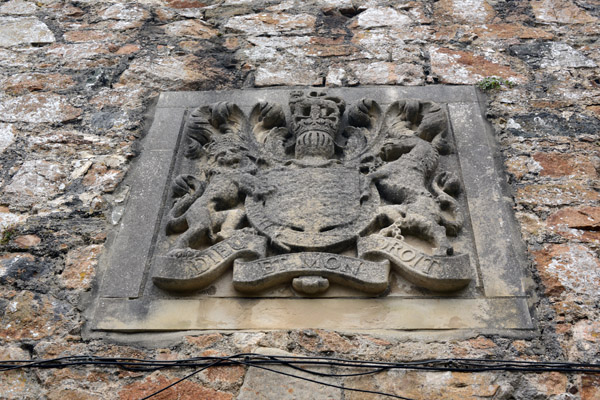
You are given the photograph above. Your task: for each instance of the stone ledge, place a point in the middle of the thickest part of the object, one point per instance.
(495, 314)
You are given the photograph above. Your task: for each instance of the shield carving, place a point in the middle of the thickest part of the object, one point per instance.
(313, 208)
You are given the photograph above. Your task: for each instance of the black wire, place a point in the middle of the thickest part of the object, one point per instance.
(374, 371)
(325, 383)
(462, 365)
(245, 362)
(182, 379)
(294, 362)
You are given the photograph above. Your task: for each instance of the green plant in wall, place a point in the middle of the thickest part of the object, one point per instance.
(7, 235)
(493, 83)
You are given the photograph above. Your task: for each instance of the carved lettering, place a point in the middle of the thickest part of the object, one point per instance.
(407, 255)
(368, 276)
(351, 269)
(332, 263)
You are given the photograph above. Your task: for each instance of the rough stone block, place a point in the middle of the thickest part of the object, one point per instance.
(28, 30)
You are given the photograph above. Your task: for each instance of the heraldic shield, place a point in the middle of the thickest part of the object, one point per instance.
(314, 194)
(314, 208)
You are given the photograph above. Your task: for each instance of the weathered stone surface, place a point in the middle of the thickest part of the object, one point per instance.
(288, 72)
(204, 341)
(29, 316)
(521, 166)
(8, 219)
(337, 76)
(17, 384)
(283, 387)
(546, 123)
(385, 45)
(549, 384)
(272, 24)
(27, 241)
(562, 11)
(380, 16)
(184, 4)
(124, 98)
(569, 269)
(80, 267)
(552, 54)
(128, 16)
(7, 135)
(223, 376)
(79, 55)
(18, 7)
(184, 391)
(36, 180)
(15, 267)
(37, 108)
(128, 49)
(594, 109)
(580, 223)
(54, 141)
(247, 341)
(103, 178)
(565, 165)
(321, 341)
(319, 47)
(10, 58)
(387, 73)
(530, 224)
(89, 35)
(70, 394)
(28, 30)
(590, 387)
(467, 11)
(228, 375)
(510, 31)
(269, 48)
(24, 83)
(173, 73)
(564, 56)
(190, 28)
(586, 334)
(556, 194)
(482, 343)
(461, 67)
(442, 385)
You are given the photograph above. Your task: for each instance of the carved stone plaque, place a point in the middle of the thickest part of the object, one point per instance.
(370, 208)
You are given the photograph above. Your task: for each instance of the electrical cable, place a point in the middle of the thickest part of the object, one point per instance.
(326, 383)
(249, 364)
(300, 363)
(454, 364)
(182, 379)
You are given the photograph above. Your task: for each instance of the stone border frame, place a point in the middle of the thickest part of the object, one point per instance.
(119, 304)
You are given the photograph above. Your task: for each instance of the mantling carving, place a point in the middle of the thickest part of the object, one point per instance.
(326, 195)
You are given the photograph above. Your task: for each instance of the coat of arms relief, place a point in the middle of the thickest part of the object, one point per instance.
(312, 193)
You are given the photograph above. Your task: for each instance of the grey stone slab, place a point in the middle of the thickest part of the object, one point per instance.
(383, 94)
(491, 218)
(337, 314)
(15, 31)
(129, 253)
(164, 133)
(284, 387)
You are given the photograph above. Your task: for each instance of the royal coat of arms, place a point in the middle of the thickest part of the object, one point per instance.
(313, 193)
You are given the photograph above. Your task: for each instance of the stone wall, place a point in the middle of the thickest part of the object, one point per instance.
(77, 79)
